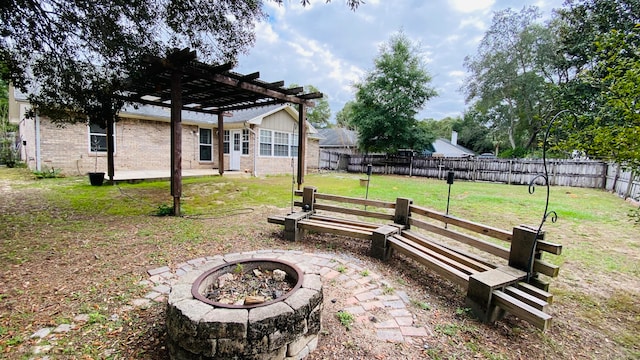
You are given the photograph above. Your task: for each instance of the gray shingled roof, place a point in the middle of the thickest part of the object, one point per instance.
(338, 137)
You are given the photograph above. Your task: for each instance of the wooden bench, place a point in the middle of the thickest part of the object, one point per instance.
(492, 264)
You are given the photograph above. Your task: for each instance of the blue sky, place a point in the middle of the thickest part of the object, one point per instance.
(331, 47)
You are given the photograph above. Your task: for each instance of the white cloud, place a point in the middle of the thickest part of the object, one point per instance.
(457, 74)
(478, 22)
(264, 32)
(468, 6)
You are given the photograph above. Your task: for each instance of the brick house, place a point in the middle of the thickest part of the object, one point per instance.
(142, 141)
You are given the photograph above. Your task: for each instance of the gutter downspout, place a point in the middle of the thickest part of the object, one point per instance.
(256, 148)
(38, 152)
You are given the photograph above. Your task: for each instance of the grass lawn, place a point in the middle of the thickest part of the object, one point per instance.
(67, 248)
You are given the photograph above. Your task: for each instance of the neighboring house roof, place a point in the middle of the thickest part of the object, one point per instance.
(448, 149)
(338, 138)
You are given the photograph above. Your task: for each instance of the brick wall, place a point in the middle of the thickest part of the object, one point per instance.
(145, 145)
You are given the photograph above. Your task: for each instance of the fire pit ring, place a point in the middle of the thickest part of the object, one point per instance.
(209, 277)
(286, 327)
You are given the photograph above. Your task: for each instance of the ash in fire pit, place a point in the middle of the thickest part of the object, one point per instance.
(245, 309)
(242, 287)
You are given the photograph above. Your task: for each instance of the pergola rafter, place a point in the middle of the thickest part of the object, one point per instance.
(182, 83)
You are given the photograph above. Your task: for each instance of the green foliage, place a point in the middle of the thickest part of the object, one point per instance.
(516, 153)
(387, 289)
(164, 210)
(345, 318)
(512, 74)
(47, 173)
(600, 40)
(238, 268)
(472, 130)
(319, 115)
(390, 96)
(421, 305)
(344, 117)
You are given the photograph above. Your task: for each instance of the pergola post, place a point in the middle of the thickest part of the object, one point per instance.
(176, 140)
(302, 142)
(221, 143)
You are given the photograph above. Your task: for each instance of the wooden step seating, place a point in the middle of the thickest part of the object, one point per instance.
(467, 253)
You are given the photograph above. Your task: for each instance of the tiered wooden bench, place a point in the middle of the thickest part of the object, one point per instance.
(456, 249)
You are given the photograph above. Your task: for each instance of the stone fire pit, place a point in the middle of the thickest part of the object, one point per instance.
(282, 328)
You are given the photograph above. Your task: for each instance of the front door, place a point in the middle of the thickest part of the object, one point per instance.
(236, 150)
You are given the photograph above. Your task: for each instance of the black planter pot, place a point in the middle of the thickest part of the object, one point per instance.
(96, 178)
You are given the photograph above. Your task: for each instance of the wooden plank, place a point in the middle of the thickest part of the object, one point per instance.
(539, 293)
(466, 259)
(357, 212)
(321, 217)
(276, 219)
(463, 238)
(555, 249)
(323, 227)
(545, 268)
(424, 247)
(469, 225)
(339, 225)
(444, 270)
(526, 298)
(357, 201)
(475, 257)
(537, 318)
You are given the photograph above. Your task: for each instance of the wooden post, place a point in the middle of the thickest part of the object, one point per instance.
(176, 140)
(402, 213)
(308, 198)
(302, 142)
(522, 247)
(380, 249)
(481, 287)
(221, 144)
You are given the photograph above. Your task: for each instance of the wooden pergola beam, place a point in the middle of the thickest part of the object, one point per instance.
(215, 90)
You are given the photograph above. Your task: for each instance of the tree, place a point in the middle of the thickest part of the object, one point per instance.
(512, 74)
(390, 96)
(612, 132)
(600, 40)
(344, 117)
(320, 114)
(472, 131)
(75, 53)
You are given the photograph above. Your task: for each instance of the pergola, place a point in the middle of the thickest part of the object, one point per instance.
(180, 82)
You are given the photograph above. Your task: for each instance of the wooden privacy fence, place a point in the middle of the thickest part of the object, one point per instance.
(578, 173)
(623, 183)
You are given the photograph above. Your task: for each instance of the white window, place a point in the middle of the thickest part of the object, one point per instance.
(206, 145)
(266, 143)
(276, 143)
(245, 141)
(280, 144)
(294, 145)
(98, 139)
(225, 142)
